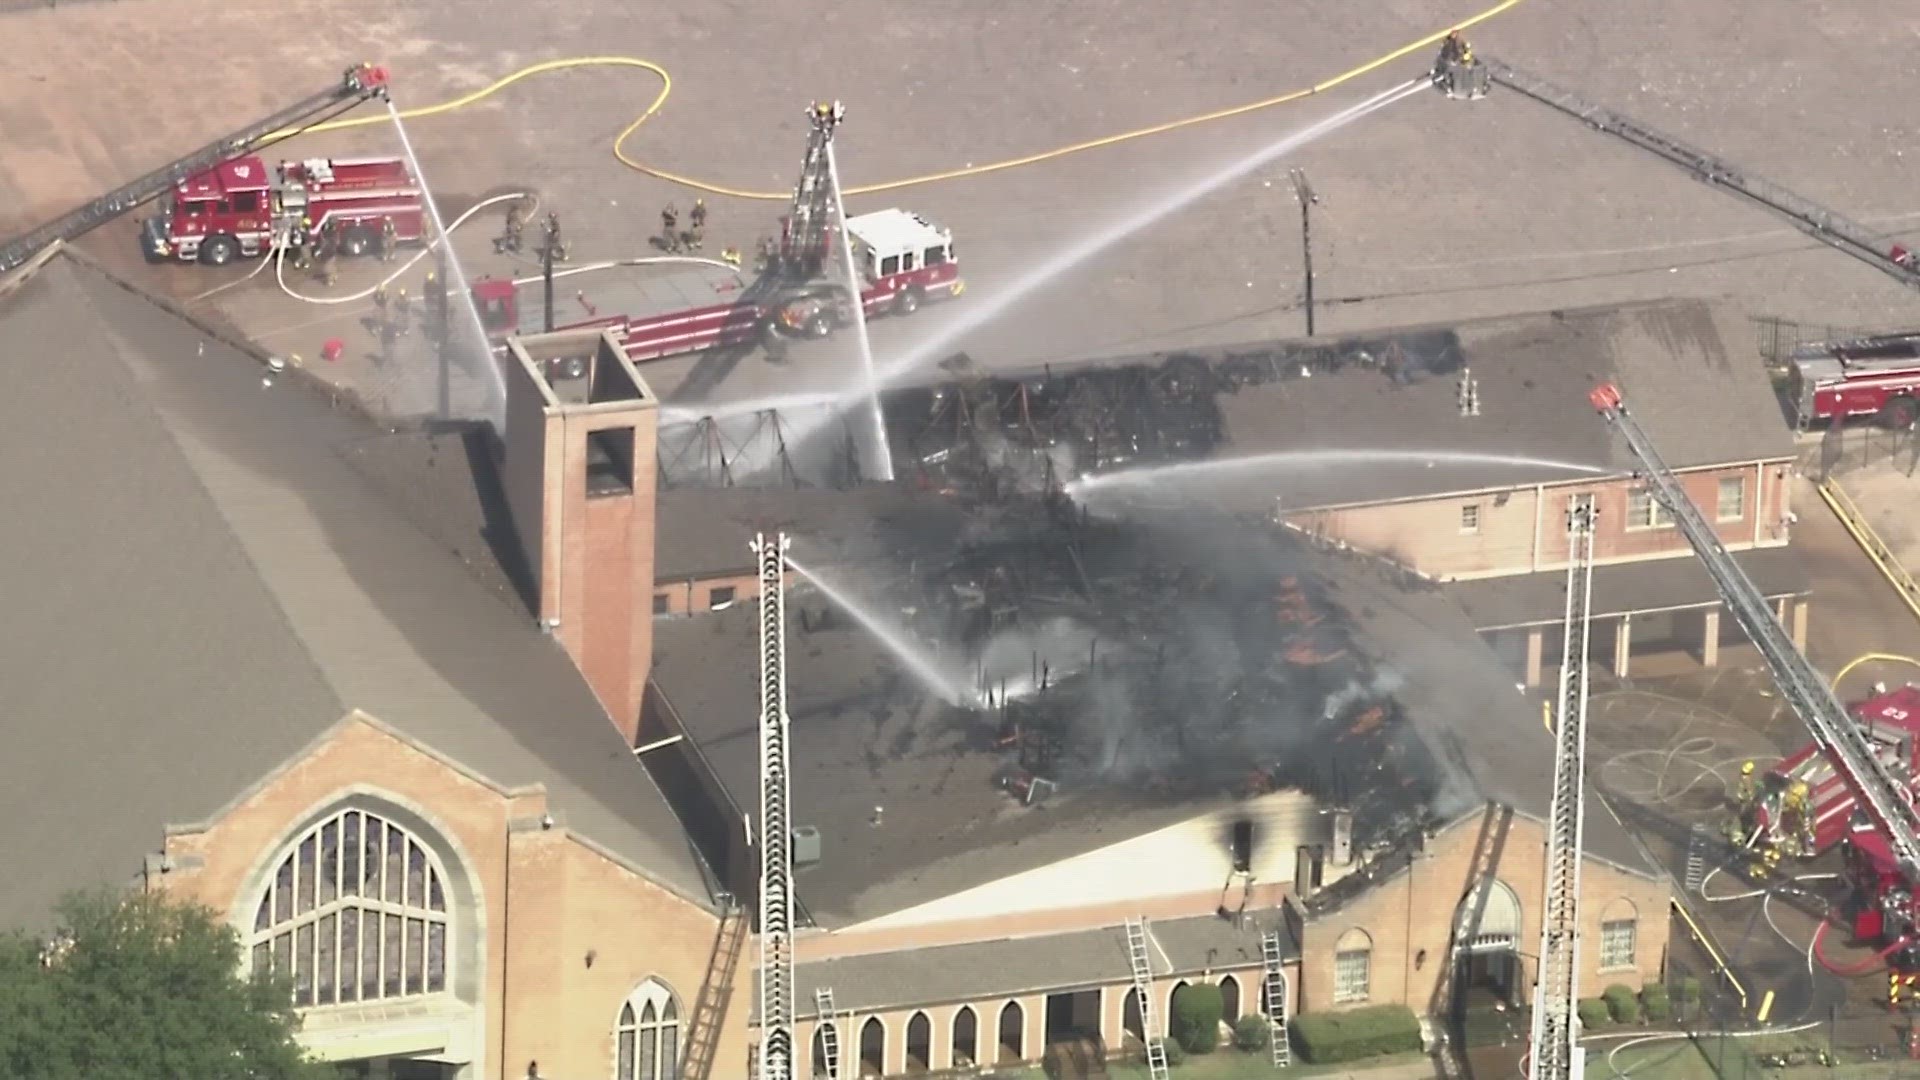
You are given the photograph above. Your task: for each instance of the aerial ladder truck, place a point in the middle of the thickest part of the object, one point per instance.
(360, 83)
(1883, 850)
(1459, 73)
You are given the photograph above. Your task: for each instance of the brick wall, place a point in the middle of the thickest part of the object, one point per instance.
(558, 934)
(1412, 913)
(1523, 530)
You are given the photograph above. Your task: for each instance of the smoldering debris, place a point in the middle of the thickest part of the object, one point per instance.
(1167, 661)
(986, 435)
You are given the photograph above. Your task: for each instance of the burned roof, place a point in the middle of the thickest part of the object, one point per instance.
(204, 586)
(1058, 684)
(1316, 405)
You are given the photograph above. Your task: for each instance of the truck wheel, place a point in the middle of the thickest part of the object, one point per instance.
(219, 250)
(907, 302)
(356, 242)
(1899, 413)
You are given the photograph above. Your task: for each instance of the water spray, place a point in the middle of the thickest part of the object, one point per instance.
(882, 450)
(496, 409)
(910, 655)
(1283, 459)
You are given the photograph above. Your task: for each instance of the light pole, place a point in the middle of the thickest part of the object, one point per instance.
(1304, 190)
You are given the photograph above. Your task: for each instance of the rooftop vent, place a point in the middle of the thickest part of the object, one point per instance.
(806, 846)
(1469, 395)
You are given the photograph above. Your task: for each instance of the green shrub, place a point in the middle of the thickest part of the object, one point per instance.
(1594, 1013)
(1622, 1003)
(1175, 1053)
(1196, 1017)
(1690, 990)
(1330, 1037)
(1653, 997)
(1250, 1033)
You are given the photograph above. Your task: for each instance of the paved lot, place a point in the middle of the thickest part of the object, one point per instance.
(1433, 210)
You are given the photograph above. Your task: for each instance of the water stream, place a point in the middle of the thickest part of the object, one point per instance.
(476, 350)
(882, 450)
(1304, 459)
(895, 638)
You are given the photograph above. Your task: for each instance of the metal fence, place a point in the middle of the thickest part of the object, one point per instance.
(1777, 337)
(1844, 448)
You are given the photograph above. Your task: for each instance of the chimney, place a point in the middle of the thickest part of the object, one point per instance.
(1469, 393)
(579, 477)
(1342, 854)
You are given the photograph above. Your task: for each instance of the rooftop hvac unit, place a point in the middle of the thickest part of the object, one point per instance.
(806, 846)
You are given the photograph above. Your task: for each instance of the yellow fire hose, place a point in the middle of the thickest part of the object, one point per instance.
(666, 88)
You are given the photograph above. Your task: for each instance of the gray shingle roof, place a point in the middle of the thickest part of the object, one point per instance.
(1700, 392)
(1042, 963)
(199, 586)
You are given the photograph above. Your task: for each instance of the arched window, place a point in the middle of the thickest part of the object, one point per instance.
(1352, 967)
(919, 1043)
(966, 1037)
(873, 1047)
(1013, 1033)
(1619, 936)
(1229, 998)
(356, 910)
(647, 1040)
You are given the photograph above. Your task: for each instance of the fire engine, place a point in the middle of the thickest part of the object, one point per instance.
(1876, 376)
(239, 206)
(361, 83)
(1855, 786)
(902, 258)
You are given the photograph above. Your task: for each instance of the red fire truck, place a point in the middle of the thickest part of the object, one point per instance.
(1876, 376)
(238, 207)
(1891, 721)
(657, 312)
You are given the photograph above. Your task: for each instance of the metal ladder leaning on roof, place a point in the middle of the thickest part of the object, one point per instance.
(1473, 907)
(829, 1028)
(1273, 998)
(710, 1008)
(1143, 986)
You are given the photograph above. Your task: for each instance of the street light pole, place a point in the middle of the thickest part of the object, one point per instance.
(1304, 191)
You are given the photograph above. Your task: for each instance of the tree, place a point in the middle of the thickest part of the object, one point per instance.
(141, 985)
(1196, 1017)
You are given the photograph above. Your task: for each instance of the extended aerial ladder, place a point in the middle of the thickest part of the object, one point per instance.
(806, 236)
(1823, 224)
(1553, 1050)
(360, 83)
(1886, 801)
(776, 838)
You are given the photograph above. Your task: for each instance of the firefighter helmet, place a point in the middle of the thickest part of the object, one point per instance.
(1800, 788)
(1746, 768)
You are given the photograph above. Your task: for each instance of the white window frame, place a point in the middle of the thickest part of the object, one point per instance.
(306, 901)
(1619, 944)
(1655, 515)
(1739, 512)
(1470, 519)
(632, 1028)
(1353, 975)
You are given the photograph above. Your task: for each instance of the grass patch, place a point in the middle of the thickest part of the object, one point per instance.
(1226, 1064)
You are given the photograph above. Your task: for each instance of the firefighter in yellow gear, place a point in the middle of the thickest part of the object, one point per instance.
(389, 240)
(698, 216)
(1747, 788)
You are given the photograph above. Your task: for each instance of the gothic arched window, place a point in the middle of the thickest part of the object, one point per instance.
(647, 1040)
(356, 910)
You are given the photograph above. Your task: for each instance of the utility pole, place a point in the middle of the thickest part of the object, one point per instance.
(552, 250)
(1304, 190)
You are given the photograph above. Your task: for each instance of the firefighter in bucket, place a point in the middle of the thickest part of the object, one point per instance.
(1458, 73)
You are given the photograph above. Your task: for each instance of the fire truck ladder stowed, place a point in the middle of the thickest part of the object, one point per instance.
(776, 836)
(1143, 989)
(357, 85)
(1886, 800)
(1273, 995)
(1823, 224)
(1555, 1055)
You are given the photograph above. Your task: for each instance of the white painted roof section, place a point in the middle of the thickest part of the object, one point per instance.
(889, 231)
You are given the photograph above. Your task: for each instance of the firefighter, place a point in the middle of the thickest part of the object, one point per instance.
(436, 301)
(1747, 788)
(555, 242)
(402, 313)
(670, 228)
(516, 221)
(697, 217)
(731, 256)
(330, 268)
(768, 254)
(389, 241)
(300, 239)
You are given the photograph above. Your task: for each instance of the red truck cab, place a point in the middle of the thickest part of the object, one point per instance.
(238, 207)
(1877, 377)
